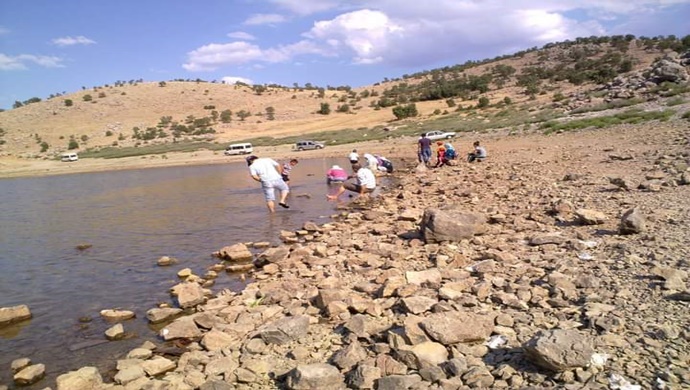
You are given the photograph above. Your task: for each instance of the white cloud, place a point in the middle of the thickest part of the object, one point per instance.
(241, 35)
(71, 41)
(416, 34)
(234, 79)
(367, 33)
(21, 61)
(214, 56)
(259, 19)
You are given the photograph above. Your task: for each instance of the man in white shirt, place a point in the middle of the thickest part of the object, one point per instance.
(353, 157)
(366, 183)
(269, 173)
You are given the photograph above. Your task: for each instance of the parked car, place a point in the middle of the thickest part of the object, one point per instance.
(436, 135)
(245, 148)
(308, 145)
(67, 157)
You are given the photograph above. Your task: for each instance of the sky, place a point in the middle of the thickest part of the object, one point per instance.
(53, 47)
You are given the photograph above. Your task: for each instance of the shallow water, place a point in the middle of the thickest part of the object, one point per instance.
(131, 218)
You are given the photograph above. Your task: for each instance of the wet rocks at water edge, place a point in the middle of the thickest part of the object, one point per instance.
(10, 315)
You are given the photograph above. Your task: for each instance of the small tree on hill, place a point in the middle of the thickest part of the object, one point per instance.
(406, 111)
(270, 113)
(483, 102)
(69, 103)
(243, 114)
(226, 116)
(73, 144)
(325, 109)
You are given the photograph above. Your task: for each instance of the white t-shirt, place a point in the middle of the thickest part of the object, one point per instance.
(366, 178)
(353, 156)
(265, 169)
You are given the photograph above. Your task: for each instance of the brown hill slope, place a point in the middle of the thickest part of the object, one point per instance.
(113, 111)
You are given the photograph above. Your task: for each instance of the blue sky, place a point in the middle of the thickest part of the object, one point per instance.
(49, 46)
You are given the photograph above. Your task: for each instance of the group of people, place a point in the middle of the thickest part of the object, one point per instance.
(274, 176)
(445, 152)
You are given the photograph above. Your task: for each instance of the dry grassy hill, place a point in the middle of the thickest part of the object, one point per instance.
(108, 119)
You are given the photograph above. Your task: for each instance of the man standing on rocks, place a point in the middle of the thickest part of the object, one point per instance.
(269, 173)
(366, 183)
(424, 149)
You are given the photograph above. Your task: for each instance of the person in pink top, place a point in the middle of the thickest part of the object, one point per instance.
(336, 175)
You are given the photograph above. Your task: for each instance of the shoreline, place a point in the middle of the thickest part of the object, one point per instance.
(369, 300)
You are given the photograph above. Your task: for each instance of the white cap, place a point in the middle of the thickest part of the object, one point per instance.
(335, 167)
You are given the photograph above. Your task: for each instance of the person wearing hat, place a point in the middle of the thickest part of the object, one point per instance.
(336, 175)
(353, 157)
(269, 173)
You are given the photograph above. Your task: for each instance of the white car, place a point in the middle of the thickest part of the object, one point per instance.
(436, 135)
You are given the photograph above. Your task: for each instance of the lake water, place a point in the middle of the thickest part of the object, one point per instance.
(131, 218)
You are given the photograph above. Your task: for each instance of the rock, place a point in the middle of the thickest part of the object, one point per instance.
(184, 273)
(451, 224)
(166, 261)
(418, 304)
(315, 376)
(328, 295)
(19, 364)
(668, 273)
(115, 332)
(549, 238)
(347, 357)
(422, 354)
(560, 350)
(13, 314)
(398, 382)
(216, 384)
(284, 330)
(115, 315)
(458, 327)
(273, 255)
(432, 275)
(86, 378)
(363, 377)
(129, 374)
(216, 340)
(237, 252)
(478, 377)
(363, 325)
(140, 353)
(632, 222)
(158, 365)
(158, 315)
(590, 217)
(189, 294)
(181, 328)
(29, 375)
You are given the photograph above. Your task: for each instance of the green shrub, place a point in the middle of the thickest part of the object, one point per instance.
(73, 144)
(483, 102)
(108, 133)
(69, 103)
(44, 146)
(325, 109)
(87, 98)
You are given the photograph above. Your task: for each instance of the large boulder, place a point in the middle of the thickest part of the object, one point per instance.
(668, 69)
(189, 294)
(12, 314)
(451, 224)
(560, 349)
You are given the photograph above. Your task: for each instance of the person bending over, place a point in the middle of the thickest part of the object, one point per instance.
(365, 183)
(336, 175)
(268, 172)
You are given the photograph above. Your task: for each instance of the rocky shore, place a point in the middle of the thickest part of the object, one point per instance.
(559, 262)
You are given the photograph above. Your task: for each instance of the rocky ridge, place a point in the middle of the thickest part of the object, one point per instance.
(568, 270)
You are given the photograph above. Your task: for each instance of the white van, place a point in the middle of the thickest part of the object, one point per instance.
(239, 149)
(67, 157)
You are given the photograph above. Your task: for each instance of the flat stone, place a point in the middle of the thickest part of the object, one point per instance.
(458, 327)
(158, 315)
(13, 314)
(158, 365)
(560, 350)
(85, 378)
(315, 376)
(115, 332)
(116, 315)
(183, 327)
(284, 330)
(29, 375)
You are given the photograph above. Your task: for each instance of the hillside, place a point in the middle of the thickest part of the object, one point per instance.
(506, 92)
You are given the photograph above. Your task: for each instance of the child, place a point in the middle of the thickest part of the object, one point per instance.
(287, 167)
